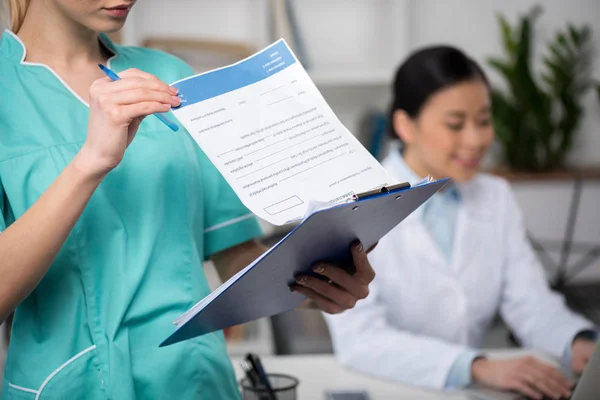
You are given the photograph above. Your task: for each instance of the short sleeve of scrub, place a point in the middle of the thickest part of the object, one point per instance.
(2, 207)
(5, 213)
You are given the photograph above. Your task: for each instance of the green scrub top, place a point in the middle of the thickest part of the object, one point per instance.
(133, 262)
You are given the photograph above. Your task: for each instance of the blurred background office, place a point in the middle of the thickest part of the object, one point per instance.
(351, 49)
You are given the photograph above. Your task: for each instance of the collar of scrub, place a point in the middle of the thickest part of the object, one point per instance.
(13, 49)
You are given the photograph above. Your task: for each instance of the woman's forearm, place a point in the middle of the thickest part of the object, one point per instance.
(30, 244)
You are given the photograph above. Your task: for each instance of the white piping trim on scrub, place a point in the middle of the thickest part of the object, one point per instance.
(56, 371)
(227, 223)
(22, 389)
(23, 62)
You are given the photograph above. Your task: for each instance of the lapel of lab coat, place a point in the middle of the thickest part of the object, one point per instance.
(472, 228)
(472, 224)
(427, 248)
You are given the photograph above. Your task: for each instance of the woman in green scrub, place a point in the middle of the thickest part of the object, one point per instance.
(107, 216)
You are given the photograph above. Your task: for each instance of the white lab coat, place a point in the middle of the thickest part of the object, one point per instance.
(423, 312)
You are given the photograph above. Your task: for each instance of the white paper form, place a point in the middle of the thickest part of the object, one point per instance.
(268, 130)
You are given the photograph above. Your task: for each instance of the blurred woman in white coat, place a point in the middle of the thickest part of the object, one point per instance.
(444, 272)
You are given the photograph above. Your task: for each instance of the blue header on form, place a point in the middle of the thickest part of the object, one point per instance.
(256, 68)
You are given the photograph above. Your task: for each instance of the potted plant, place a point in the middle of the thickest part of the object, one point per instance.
(537, 116)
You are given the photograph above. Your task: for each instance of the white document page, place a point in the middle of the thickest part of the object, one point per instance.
(268, 130)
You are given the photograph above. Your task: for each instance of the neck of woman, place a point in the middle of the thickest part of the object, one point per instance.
(414, 163)
(53, 38)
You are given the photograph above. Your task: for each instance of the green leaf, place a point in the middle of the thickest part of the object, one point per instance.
(525, 40)
(585, 35)
(502, 68)
(574, 34)
(507, 35)
(558, 53)
(557, 73)
(506, 125)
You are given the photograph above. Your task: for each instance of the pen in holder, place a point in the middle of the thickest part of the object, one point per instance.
(258, 385)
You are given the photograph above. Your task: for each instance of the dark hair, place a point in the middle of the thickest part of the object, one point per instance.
(427, 71)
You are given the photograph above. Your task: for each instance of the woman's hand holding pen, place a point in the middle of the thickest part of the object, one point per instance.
(116, 111)
(342, 290)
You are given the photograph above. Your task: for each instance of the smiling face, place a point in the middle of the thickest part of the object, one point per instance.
(97, 15)
(451, 134)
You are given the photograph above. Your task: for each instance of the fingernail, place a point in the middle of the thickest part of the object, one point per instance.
(173, 90)
(319, 269)
(302, 280)
(176, 99)
(359, 247)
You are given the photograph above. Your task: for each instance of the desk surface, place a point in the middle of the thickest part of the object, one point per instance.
(318, 373)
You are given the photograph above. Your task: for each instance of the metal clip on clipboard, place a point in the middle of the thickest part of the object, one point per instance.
(381, 190)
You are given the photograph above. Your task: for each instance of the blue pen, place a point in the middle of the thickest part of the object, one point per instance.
(164, 119)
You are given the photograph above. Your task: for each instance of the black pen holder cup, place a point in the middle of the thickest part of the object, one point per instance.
(284, 388)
